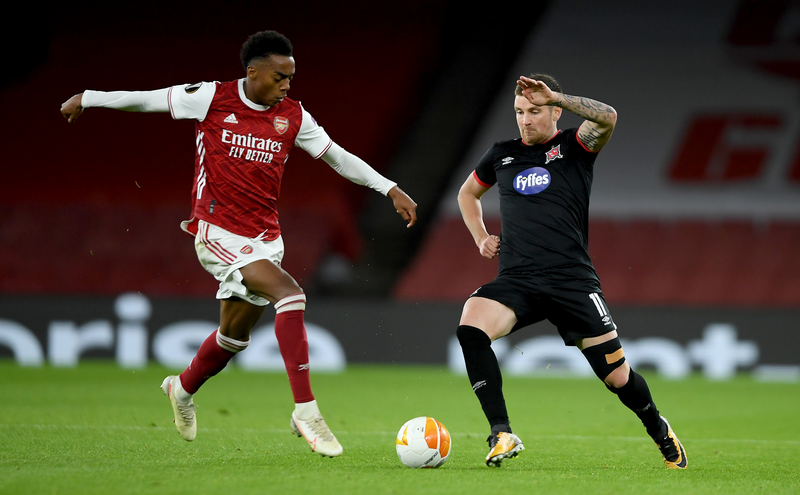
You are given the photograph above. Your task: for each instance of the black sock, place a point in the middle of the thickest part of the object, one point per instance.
(636, 396)
(484, 375)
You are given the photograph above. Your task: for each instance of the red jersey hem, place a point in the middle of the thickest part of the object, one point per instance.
(578, 139)
(475, 175)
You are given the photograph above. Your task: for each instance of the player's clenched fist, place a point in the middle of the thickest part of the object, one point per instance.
(490, 246)
(72, 109)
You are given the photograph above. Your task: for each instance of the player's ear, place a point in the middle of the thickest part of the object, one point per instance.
(252, 72)
(557, 113)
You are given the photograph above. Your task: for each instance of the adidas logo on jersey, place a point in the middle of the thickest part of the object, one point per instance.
(231, 119)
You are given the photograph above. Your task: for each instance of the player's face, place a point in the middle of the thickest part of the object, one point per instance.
(268, 80)
(536, 123)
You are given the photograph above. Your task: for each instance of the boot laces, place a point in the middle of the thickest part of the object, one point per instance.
(187, 411)
(319, 427)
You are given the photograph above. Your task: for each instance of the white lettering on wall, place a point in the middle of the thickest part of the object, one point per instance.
(22, 342)
(718, 355)
(175, 345)
(133, 310)
(66, 341)
(667, 356)
(325, 353)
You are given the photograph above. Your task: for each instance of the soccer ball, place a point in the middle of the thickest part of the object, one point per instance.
(423, 443)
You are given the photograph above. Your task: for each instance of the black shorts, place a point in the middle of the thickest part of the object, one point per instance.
(569, 297)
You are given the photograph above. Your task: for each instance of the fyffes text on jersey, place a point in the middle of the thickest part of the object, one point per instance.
(532, 181)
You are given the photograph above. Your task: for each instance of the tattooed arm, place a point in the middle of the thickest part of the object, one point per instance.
(595, 131)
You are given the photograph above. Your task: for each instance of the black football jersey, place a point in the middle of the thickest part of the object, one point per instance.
(544, 201)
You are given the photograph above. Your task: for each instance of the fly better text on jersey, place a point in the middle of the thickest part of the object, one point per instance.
(250, 147)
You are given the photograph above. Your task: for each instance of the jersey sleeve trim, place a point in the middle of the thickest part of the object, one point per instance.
(325, 150)
(578, 139)
(169, 102)
(478, 179)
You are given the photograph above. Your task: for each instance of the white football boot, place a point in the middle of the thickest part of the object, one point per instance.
(307, 422)
(185, 419)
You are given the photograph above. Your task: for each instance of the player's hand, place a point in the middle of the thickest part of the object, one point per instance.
(72, 109)
(536, 92)
(404, 205)
(490, 246)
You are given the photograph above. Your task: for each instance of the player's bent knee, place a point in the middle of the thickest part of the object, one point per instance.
(605, 360)
(468, 335)
(618, 378)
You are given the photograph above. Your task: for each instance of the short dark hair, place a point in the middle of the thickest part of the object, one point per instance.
(547, 79)
(262, 45)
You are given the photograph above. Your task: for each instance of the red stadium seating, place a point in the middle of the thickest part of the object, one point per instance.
(712, 263)
(95, 206)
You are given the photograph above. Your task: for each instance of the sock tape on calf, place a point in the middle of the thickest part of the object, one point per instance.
(605, 358)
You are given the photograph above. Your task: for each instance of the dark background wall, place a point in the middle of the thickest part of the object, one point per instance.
(93, 208)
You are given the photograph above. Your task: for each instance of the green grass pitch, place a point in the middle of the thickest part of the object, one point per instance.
(99, 429)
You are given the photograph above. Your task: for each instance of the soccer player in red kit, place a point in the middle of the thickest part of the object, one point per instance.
(245, 131)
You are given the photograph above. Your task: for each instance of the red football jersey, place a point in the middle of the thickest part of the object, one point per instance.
(242, 150)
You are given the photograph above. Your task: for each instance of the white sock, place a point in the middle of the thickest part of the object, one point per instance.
(181, 395)
(306, 409)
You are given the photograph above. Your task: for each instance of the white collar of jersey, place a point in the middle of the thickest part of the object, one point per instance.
(246, 101)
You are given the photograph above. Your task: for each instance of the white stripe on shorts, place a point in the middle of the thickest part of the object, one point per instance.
(215, 247)
(595, 297)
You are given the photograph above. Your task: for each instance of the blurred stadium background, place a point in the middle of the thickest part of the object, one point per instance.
(695, 227)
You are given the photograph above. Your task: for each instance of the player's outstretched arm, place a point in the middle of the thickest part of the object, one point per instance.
(72, 109)
(128, 101)
(469, 202)
(357, 170)
(404, 205)
(600, 121)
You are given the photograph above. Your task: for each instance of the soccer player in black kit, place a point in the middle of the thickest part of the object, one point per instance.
(544, 180)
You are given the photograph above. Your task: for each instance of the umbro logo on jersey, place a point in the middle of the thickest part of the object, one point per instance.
(231, 119)
(555, 152)
(508, 160)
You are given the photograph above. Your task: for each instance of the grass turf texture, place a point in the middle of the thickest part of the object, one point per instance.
(101, 429)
